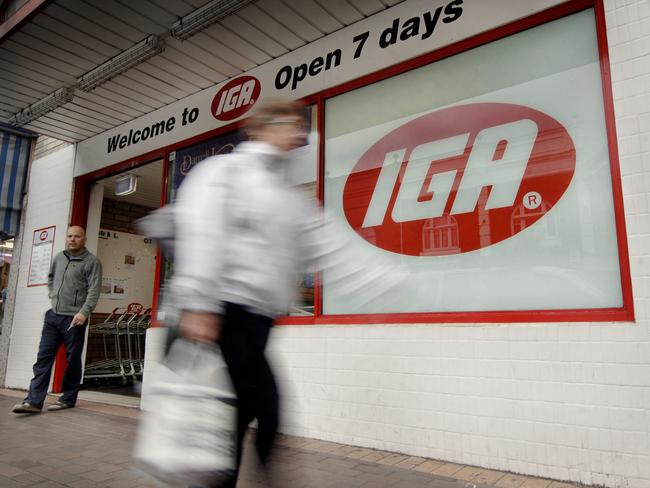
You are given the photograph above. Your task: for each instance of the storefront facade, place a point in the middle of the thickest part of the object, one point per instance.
(492, 150)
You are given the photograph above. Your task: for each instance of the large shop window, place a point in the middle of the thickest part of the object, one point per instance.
(486, 175)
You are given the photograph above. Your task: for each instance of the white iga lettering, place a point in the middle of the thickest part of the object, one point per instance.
(236, 96)
(504, 174)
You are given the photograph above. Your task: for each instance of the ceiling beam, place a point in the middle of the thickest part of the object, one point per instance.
(20, 17)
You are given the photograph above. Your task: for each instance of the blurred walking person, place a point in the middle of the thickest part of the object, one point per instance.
(242, 236)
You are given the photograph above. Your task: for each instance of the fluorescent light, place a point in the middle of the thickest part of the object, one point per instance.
(125, 184)
(134, 55)
(205, 16)
(38, 109)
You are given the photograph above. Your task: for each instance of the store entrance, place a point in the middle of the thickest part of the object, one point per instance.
(114, 359)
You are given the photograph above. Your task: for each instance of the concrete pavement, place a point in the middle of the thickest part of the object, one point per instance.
(90, 447)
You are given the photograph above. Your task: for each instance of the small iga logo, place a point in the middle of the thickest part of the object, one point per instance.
(43, 235)
(236, 98)
(473, 169)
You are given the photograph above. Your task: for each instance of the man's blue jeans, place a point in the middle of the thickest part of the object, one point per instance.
(57, 331)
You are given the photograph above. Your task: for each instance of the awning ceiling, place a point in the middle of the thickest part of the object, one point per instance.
(67, 38)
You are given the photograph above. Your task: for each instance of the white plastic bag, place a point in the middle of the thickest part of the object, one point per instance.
(187, 435)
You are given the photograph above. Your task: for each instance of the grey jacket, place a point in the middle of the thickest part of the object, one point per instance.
(74, 283)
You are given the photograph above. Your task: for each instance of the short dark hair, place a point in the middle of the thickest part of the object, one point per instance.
(271, 109)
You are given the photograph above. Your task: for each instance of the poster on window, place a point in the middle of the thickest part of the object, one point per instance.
(492, 187)
(41, 258)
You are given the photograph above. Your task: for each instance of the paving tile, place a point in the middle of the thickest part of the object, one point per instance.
(359, 452)
(488, 477)
(536, 483)
(510, 481)
(428, 466)
(27, 479)
(448, 469)
(75, 469)
(392, 459)
(10, 483)
(410, 462)
(468, 473)
(562, 484)
(343, 450)
(373, 457)
(10, 471)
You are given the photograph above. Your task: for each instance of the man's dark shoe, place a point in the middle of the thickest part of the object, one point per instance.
(26, 407)
(55, 407)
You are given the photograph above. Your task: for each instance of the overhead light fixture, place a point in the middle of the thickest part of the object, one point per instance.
(134, 55)
(205, 16)
(125, 184)
(38, 109)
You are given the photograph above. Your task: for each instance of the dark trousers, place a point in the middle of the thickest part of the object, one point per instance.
(55, 332)
(243, 340)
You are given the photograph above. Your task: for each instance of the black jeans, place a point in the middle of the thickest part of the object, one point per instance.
(57, 331)
(243, 341)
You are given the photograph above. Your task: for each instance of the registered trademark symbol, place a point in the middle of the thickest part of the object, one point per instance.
(532, 200)
(252, 101)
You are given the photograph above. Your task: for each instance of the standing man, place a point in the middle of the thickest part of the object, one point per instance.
(73, 284)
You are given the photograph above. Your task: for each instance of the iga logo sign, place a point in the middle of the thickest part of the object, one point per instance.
(236, 98)
(459, 179)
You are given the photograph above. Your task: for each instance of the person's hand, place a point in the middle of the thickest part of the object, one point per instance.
(201, 326)
(79, 319)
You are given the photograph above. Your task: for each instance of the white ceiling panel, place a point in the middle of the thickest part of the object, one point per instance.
(139, 89)
(341, 10)
(200, 61)
(64, 122)
(237, 43)
(273, 28)
(322, 18)
(113, 87)
(70, 55)
(67, 38)
(213, 46)
(237, 24)
(124, 34)
(77, 107)
(81, 99)
(129, 101)
(39, 61)
(68, 111)
(368, 7)
(290, 19)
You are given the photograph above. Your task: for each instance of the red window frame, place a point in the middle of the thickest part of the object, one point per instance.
(623, 314)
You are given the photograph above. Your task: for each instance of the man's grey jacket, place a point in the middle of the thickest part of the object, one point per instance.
(74, 283)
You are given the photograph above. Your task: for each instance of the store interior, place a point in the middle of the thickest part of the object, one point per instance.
(114, 359)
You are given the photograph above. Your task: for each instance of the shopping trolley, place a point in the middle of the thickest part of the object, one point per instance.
(118, 332)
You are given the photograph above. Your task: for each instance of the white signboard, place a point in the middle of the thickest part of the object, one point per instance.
(42, 247)
(394, 35)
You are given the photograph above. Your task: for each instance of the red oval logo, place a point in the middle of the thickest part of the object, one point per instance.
(236, 98)
(459, 179)
(43, 235)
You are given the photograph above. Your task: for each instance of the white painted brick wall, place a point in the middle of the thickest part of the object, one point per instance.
(566, 401)
(49, 191)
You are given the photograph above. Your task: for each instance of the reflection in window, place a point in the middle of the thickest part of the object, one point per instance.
(523, 218)
(440, 236)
